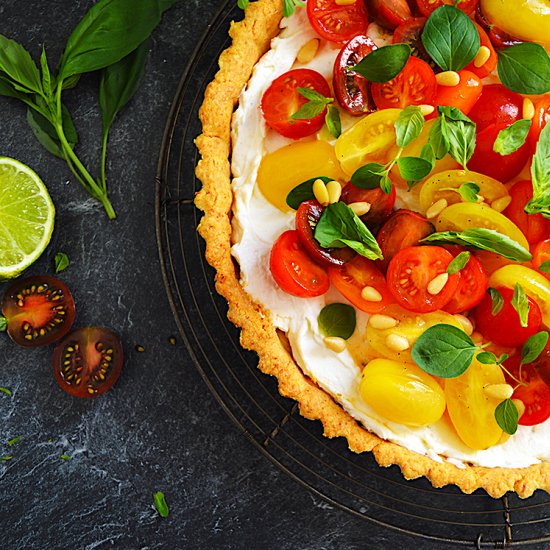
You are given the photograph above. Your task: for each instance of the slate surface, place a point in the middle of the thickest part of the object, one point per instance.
(159, 428)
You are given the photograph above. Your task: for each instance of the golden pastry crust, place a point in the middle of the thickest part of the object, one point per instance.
(251, 39)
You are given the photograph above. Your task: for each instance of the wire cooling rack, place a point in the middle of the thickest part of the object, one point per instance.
(354, 483)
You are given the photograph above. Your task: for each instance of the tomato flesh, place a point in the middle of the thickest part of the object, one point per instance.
(496, 105)
(389, 13)
(541, 254)
(427, 7)
(462, 96)
(491, 64)
(337, 22)
(471, 288)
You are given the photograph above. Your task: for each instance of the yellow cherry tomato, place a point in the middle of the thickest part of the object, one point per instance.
(434, 188)
(467, 215)
(368, 140)
(402, 392)
(536, 285)
(289, 166)
(410, 326)
(471, 410)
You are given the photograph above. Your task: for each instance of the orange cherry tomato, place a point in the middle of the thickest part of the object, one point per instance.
(464, 95)
(541, 118)
(337, 22)
(427, 7)
(491, 64)
(541, 254)
(389, 13)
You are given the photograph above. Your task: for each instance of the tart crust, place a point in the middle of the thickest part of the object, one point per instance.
(251, 39)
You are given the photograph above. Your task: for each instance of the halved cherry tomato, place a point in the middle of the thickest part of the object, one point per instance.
(337, 22)
(471, 288)
(88, 361)
(496, 105)
(293, 270)
(39, 310)
(427, 7)
(389, 13)
(414, 85)
(464, 95)
(410, 272)
(282, 99)
(534, 226)
(541, 254)
(542, 364)
(505, 328)
(307, 216)
(352, 90)
(491, 64)
(350, 279)
(410, 33)
(403, 228)
(495, 165)
(541, 118)
(498, 37)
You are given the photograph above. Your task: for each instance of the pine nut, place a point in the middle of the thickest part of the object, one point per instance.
(528, 109)
(370, 294)
(320, 192)
(382, 322)
(482, 56)
(499, 391)
(501, 203)
(335, 343)
(426, 110)
(437, 284)
(360, 208)
(397, 343)
(334, 191)
(480, 198)
(466, 323)
(308, 51)
(520, 406)
(436, 208)
(448, 78)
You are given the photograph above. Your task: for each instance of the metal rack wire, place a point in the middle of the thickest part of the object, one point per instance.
(326, 467)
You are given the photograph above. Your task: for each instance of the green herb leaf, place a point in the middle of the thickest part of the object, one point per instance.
(14, 441)
(160, 504)
(46, 75)
(444, 351)
(497, 299)
(3, 324)
(368, 176)
(61, 262)
(408, 125)
(524, 68)
(6, 391)
(19, 68)
(5, 458)
(333, 122)
(337, 320)
(46, 134)
(460, 133)
(521, 304)
(450, 38)
(487, 358)
(316, 104)
(385, 183)
(512, 138)
(339, 226)
(458, 263)
(427, 153)
(65, 457)
(540, 176)
(383, 64)
(468, 191)
(544, 267)
(507, 416)
(439, 138)
(533, 347)
(303, 192)
(413, 169)
(243, 4)
(289, 6)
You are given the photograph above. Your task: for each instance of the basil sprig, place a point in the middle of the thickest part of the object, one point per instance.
(512, 138)
(337, 320)
(540, 176)
(315, 105)
(383, 64)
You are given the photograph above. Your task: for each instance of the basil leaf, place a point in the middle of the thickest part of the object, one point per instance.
(544, 267)
(61, 262)
(46, 75)
(507, 416)
(385, 183)
(533, 347)
(160, 504)
(14, 441)
(368, 176)
(444, 351)
(521, 304)
(450, 38)
(408, 125)
(413, 169)
(487, 358)
(427, 153)
(303, 192)
(460, 132)
(3, 324)
(468, 191)
(339, 226)
(439, 139)
(333, 122)
(524, 68)
(540, 176)
(337, 320)
(243, 4)
(17, 64)
(512, 138)
(383, 64)
(458, 263)
(289, 6)
(316, 104)
(497, 299)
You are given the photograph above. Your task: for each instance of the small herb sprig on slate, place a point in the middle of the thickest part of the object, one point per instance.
(289, 6)
(110, 38)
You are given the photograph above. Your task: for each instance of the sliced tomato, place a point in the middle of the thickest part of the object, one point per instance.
(491, 64)
(427, 7)
(542, 364)
(389, 13)
(351, 278)
(282, 99)
(352, 90)
(337, 22)
(541, 254)
(307, 216)
(410, 33)
(496, 105)
(414, 85)
(464, 95)
(293, 270)
(541, 118)
(471, 288)
(410, 272)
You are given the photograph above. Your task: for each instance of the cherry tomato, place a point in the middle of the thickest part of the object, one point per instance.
(352, 90)
(541, 118)
(498, 37)
(414, 85)
(427, 7)
(410, 272)
(293, 270)
(491, 64)
(496, 105)
(505, 328)
(471, 288)
(410, 33)
(534, 226)
(464, 95)
(350, 279)
(542, 364)
(282, 99)
(403, 228)
(495, 165)
(307, 216)
(381, 203)
(88, 361)
(337, 22)
(389, 13)
(39, 310)
(541, 254)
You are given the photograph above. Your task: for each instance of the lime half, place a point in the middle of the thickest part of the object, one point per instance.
(26, 217)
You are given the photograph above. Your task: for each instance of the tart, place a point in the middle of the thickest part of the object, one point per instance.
(331, 391)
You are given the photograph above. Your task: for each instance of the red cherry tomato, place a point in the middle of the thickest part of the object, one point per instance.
(337, 22)
(496, 105)
(410, 272)
(389, 13)
(491, 64)
(307, 216)
(427, 7)
(498, 37)
(504, 328)
(534, 226)
(410, 33)
(352, 90)
(381, 203)
(500, 167)
(542, 364)
(462, 96)
(351, 278)
(39, 310)
(403, 228)
(294, 271)
(541, 118)
(471, 288)
(541, 254)
(282, 99)
(414, 85)
(88, 361)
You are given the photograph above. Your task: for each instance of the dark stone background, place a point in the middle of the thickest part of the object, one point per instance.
(159, 428)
